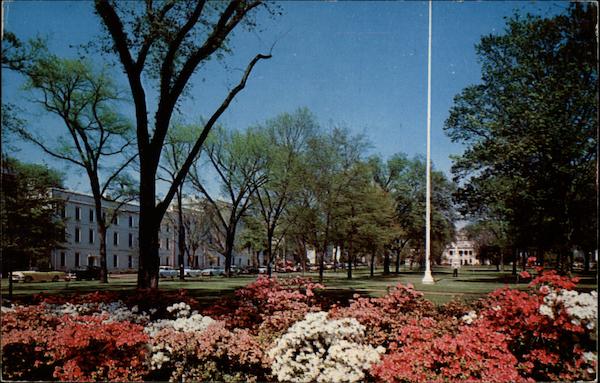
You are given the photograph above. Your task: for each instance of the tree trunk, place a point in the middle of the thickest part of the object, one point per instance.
(586, 260)
(515, 261)
(350, 256)
(102, 239)
(10, 276)
(180, 234)
(269, 252)
(398, 251)
(229, 241)
(372, 264)
(386, 262)
(335, 255)
(324, 253)
(149, 259)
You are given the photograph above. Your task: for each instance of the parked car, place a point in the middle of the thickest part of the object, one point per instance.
(212, 271)
(262, 270)
(167, 272)
(38, 276)
(89, 273)
(191, 272)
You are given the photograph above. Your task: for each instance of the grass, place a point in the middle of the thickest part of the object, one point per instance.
(472, 283)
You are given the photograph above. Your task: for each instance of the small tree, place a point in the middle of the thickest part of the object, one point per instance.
(287, 137)
(31, 227)
(239, 162)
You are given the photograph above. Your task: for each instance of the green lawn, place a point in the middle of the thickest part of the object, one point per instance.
(471, 283)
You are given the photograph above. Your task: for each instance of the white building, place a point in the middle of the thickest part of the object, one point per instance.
(81, 246)
(461, 251)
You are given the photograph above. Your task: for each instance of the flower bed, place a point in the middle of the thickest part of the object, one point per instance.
(280, 330)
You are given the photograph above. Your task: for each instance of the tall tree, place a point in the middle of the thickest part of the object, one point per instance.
(389, 175)
(31, 227)
(530, 131)
(239, 162)
(329, 163)
(97, 137)
(287, 139)
(168, 41)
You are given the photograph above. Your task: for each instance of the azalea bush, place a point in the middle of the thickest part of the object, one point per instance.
(383, 317)
(193, 347)
(268, 306)
(286, 330)
(427, 350)
(550, 328)
(39, 343)
(317, 349)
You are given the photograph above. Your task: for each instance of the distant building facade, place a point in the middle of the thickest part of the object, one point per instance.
(461, 251)
(81, 247)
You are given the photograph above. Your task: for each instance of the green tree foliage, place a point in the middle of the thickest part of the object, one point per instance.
(31, 228)
(404, 179)
(364, 220)
(287, 137)
(530, 132)
(328, 170)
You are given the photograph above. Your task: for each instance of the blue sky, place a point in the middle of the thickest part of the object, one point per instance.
(362, 65)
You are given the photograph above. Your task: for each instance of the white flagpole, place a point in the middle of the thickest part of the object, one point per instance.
(428, 278)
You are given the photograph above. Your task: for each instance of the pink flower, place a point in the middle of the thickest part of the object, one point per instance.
(524, 275)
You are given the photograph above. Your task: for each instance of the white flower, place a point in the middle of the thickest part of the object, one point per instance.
(469, 317)
(581, 308)
(320, 350)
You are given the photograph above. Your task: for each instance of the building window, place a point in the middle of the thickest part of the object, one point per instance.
(167, 244)
(130, 262)
(91, 235)
(115, 219)
(239, 261)
(77, 264)
(91, 261)
(77, 213)
(64, 235)
(77, 235)
(115, 261)
(248, 264)
(62, 259)
(130, 240)
(91, 215)
(116, 238)
(130, 221)
(451, 252)
(63, 212)
(218, 261)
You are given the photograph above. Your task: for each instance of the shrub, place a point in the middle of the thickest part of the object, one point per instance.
(436, 351)
(41, 344)
(215, 354)
(88, 348)
(383, 317)
(267, 306)
(548, 328)
(25, 334)
(320, 350)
